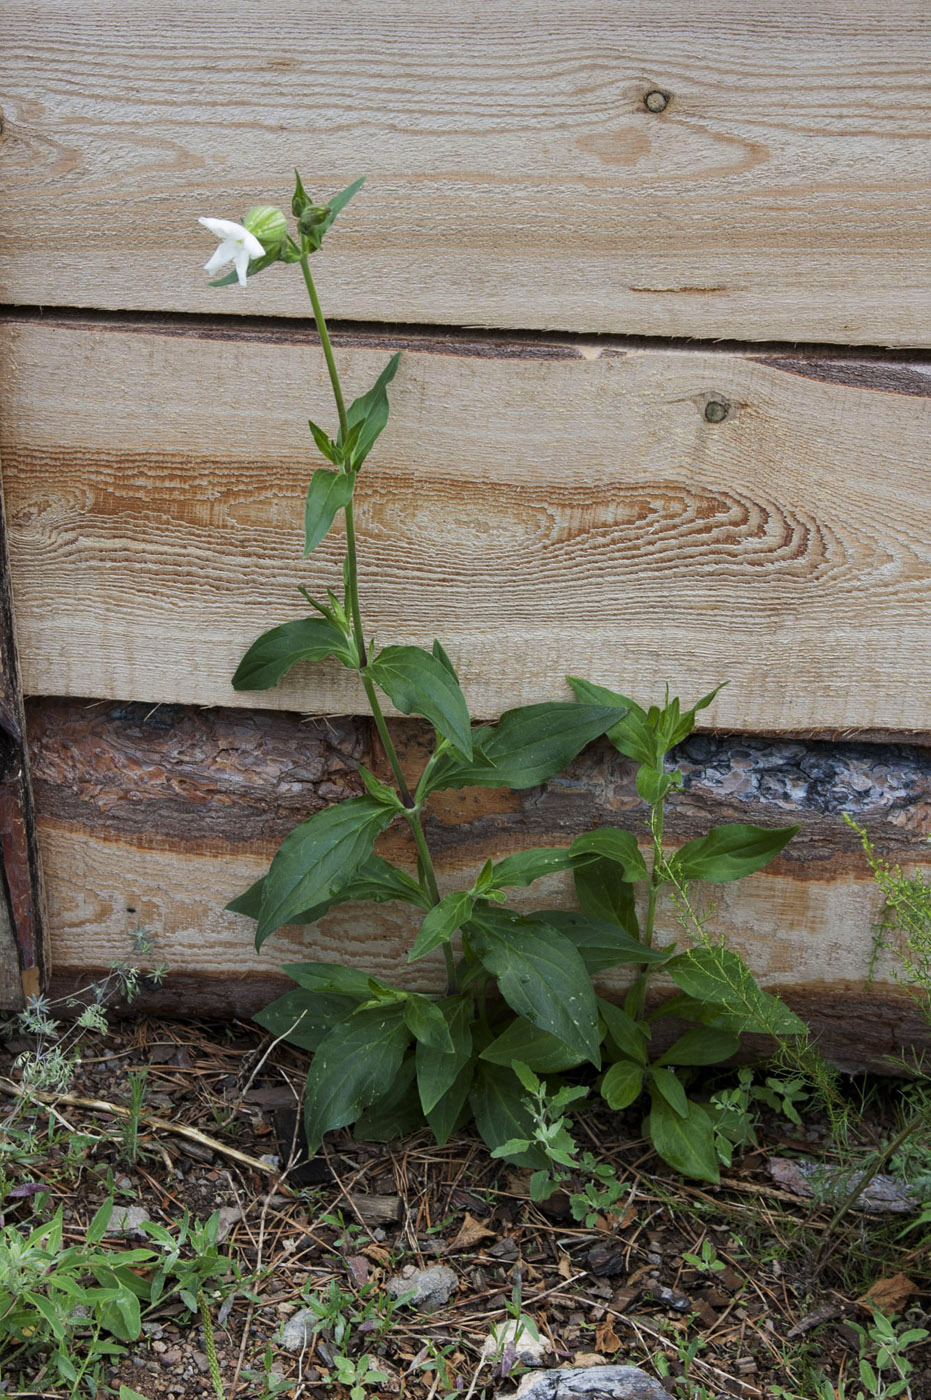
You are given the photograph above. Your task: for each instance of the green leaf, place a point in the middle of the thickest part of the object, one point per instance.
(351, 1068)
(666, 1084)
(427, 1024)
(444, 660)
(303, 1018)
(332, 979)
(601, 944)
(127, 1393)
(318, 858)
(605, 895)
(729, 852)
(437, 1073)
(523, 867)
(497, 1101)
(622, 1084)
(653, 783)
(451, 1110)
(527, 746)
(631, 735)
(98, 1226)
(274, 653)
(676, 727)
(541, 976)
(336, 204)
(376, 881)
(442, 922)
(627, 1035)
(419, 683)
(704, 1046)
(325, 446)
(611, 843)
(369, 414)
(396, 1113)
(327, 493)
(685, 1143)
(717, 976)
(540, 1050)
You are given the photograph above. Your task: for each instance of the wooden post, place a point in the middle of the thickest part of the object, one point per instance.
(23, 963)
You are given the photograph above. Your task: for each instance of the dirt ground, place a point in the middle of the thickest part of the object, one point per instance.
(774, 1293)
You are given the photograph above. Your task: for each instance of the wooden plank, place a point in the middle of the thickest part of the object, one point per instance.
(23, 953)
(160, 818)
(575, 495)
(516, 175)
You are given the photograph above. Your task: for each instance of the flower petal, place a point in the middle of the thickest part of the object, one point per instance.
(224, 254)
(241, 261)
(224, 228)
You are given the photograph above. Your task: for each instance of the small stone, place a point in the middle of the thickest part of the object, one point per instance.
(127, 1220)
(520, 1339)
(671, 1299)
(201, 1361)
(428, 1288)
(297, 1332)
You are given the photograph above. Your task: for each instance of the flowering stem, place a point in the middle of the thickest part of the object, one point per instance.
(411, 807)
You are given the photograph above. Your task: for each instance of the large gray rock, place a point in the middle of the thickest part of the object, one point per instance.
(573, 1383)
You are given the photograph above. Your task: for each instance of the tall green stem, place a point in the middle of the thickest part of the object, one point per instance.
(411, 809)
(638, 991)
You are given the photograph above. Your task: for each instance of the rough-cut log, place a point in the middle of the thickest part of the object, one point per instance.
(161, 816)
(697, 168)
(542, 508)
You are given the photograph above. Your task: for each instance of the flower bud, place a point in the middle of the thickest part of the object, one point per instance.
(312, 216)
(268, 225)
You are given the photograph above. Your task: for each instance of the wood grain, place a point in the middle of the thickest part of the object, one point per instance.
(516, 177)
(544, 509)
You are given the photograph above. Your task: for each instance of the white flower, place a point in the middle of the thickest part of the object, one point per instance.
(238, 246)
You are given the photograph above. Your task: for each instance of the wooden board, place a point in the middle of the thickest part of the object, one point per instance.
(575, 495)
(23, 932)
(516, 176)
(160, 818)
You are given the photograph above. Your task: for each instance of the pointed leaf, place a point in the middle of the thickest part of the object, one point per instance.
(351, 1069)
(369, 414)
(527, 746)
(541, 975)
(318, 858)
(523, 867)
(376, 880)
(604, 894)
(666, 1083)
(396, 1113)
(303, 1018)
(327, 493)
(685, 1143)
(444, 660)
(98, 1226)
(451, 1110)
(525, 1042)
(626, 1034)
(704, 1046)
(631, 735)
(611, 843)
(419, 683)
(331, 978)
(437, 1073)
(441, 923)
(427, 1024)
(622, 1084)
(601, 944)
(325, 446)
(274, 653)
(717, 976)
(336, 205)
(729, 852)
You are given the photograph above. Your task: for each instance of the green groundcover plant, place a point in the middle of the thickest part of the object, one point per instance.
(519, 986)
